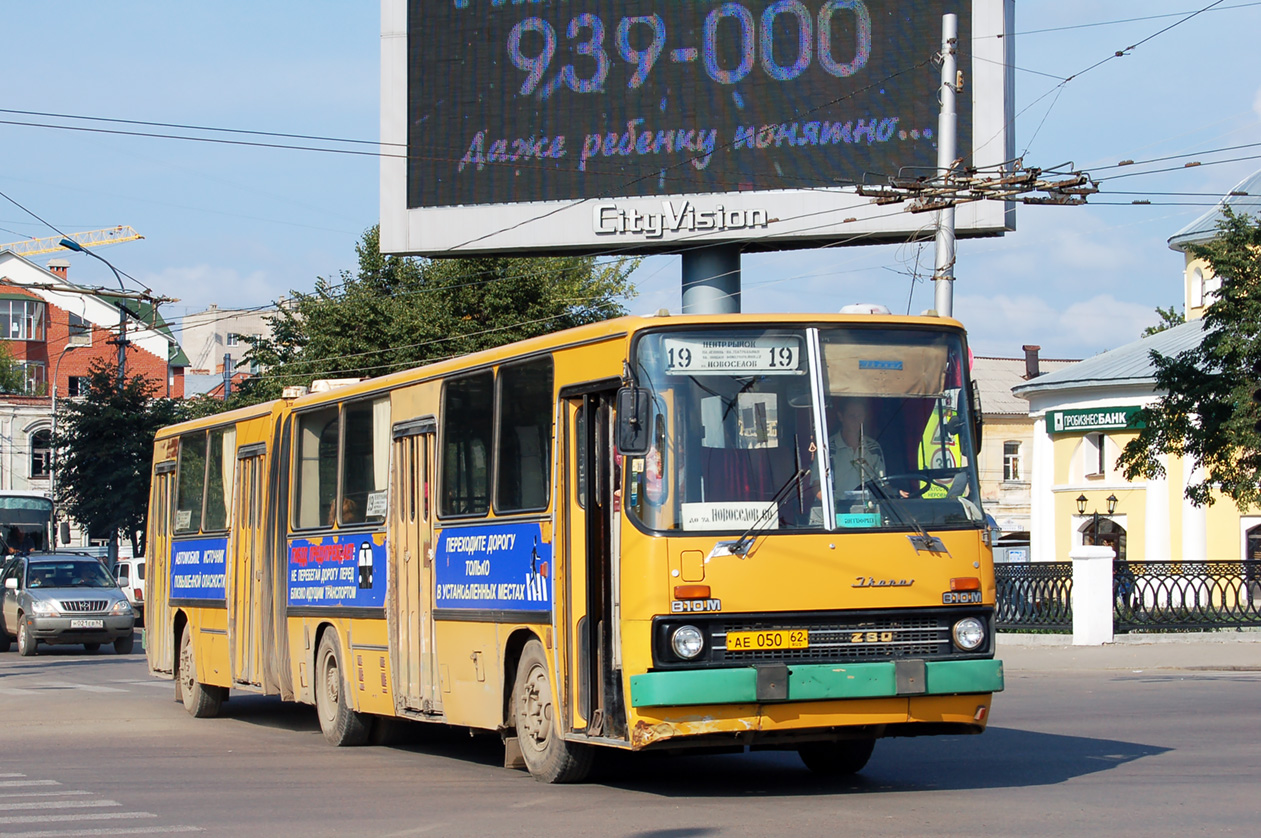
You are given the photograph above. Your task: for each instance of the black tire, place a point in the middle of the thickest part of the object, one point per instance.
(124, 645)
(26, 640)
(91, 647)
(548, 757)
(202, 701)
(341, 725)
(837, 759)
(6, 642)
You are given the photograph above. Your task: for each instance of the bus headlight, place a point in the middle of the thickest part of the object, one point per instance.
(969, 634)
(687, 642)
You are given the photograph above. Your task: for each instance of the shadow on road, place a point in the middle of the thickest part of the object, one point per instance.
(1001, 758)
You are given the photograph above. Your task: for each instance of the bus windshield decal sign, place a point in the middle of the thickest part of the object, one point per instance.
(499, 567)
(199, 568)
(733, 355)
(338, 570)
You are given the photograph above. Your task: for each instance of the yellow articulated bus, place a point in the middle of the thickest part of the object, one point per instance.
(657, 533)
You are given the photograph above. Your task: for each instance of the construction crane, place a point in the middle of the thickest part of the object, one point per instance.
(92, 238)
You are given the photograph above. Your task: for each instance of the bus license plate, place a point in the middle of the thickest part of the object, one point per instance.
(753, 641)
(87, 624)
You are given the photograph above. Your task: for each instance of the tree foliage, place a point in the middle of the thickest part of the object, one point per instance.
(1169, 317)
(396, 312)
(12, 376)
(104, 447)
(1207, 414)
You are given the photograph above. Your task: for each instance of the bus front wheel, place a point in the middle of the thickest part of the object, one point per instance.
(549, 758)
(837, 759)
(341, 725)
(202, 701)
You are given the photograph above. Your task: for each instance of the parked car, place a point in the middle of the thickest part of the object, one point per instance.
(62, 599)
(130, 576)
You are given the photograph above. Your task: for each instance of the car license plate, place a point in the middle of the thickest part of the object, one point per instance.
(87, 624)
(754, 641)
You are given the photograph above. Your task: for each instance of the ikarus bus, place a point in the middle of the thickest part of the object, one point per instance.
(651, 533)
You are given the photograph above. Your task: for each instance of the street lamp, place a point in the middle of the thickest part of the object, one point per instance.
(52, 469)
(1111, 500)
(71, 244)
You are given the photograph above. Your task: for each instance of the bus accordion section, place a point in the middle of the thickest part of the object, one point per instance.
(649, 533)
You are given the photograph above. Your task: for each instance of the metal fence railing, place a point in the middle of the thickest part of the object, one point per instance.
(1147, 596)
(1034, 596)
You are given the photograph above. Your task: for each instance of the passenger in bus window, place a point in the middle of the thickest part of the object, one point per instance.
(350, 512)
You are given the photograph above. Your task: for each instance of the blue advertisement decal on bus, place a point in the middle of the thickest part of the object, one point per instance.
(503, 567)
(338, 570)
(199, 569)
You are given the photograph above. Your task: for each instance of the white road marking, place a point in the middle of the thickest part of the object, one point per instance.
(66, 685)
(57, 804)
(43, 793)
(86, 816)
(121, 830)
(17, 783)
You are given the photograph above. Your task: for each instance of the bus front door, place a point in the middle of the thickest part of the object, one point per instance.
(412, 554)
(592, 671)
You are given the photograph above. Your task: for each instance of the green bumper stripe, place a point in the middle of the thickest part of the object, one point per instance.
(812, 682)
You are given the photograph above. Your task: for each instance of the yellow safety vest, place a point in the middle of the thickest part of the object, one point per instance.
(937, 450)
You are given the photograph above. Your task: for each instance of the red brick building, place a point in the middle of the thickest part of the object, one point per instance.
(55, 331)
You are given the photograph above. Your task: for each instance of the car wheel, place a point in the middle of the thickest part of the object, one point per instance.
(837, 759)
(547, 755)
(91, 647)
(340, 724)
(124, 645)
(5, 641)
(26, 639)
(200, 700)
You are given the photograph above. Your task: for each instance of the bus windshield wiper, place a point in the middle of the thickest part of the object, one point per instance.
(924, 540)
(741, 546)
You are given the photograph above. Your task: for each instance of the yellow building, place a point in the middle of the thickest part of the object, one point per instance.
(1083, 417)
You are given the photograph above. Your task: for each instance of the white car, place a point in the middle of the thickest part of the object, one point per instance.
(130, 576)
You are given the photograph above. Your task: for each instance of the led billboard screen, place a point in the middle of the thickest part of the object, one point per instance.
(558, 108)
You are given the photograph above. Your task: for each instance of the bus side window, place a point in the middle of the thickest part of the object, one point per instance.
(192, 483)
(365, 461)
(315, 472)
(467, 422)
(523, 461)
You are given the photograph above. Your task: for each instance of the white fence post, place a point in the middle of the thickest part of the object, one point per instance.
(1092, 595)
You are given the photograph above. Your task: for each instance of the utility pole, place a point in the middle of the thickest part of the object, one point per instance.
(227, 376)
(943, 271)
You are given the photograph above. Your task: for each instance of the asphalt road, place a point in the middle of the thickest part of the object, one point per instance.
(1077, 745)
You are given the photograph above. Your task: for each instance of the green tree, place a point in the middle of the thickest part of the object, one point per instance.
(1169, 317)
(396, 312)
(104, 448)
(12, 376)
(1207, 415)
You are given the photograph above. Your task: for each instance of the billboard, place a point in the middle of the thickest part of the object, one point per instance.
(653, 124)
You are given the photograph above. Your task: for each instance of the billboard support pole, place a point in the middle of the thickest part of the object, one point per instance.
(711, 279)
(943, 271)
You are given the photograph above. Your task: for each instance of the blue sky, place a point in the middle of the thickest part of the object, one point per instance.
(240, 225)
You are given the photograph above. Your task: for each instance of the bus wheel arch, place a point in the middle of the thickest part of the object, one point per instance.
(202, 701)
(548, 756)
(340, 723)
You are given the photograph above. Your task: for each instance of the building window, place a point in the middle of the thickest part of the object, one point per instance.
(41, 454)
(36, 377)
(22, 319)
(77, 385)
(1093, 448)
(80, 333)
(1011, 461)
(233, 339)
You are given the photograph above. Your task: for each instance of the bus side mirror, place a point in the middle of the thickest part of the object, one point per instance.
(634, 414)
(974, 399)
(63, 533)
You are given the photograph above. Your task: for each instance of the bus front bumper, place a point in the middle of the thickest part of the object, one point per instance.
(816, 682)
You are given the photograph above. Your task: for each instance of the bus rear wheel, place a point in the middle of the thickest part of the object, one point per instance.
(837, 759)
(340, 724)
(549, 758)
(202, 701)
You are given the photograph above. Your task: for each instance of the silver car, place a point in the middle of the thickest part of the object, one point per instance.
(58, 599)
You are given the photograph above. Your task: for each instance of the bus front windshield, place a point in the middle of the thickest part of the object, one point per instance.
(736, 441)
